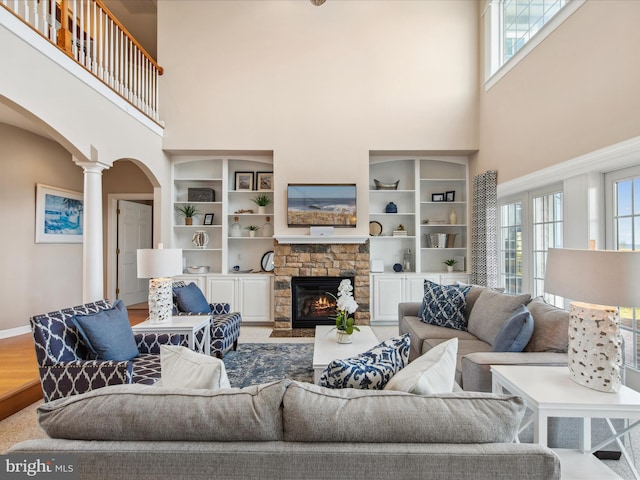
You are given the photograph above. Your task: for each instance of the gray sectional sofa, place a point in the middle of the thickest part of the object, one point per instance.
(289, 430)
(485, 313)
(548, 344)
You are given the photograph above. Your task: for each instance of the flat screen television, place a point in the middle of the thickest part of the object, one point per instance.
(321, 204)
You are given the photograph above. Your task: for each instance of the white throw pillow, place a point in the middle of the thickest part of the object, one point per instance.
(184, 368)
(433, 372)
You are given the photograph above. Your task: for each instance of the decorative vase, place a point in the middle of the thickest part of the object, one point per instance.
(261, 209)
(449, 268)
(453, 217)
(252, 233)
(188, 220)
(236, 229)
(343, 337)
(267, 228)
(391, 208)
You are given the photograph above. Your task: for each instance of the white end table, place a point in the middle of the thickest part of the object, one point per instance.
(187, 325)
(326, 348)
(549, 392)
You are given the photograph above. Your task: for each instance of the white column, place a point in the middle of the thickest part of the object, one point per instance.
(92, 253)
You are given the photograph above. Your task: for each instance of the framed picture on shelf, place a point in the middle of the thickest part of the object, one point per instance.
(437, 197)
(59, 215)
(451, 196)
(208, 219)
(264, 180)
(244, 181)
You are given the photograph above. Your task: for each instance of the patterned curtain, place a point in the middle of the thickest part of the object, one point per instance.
(484, 230)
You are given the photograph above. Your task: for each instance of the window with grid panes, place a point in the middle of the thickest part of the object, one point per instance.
(547, 233)
(626, 224)
(511, 247)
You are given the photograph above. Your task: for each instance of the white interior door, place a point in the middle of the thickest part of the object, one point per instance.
(134, 232)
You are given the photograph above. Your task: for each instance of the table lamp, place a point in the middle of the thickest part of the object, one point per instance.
(159, 265)
(608, 279)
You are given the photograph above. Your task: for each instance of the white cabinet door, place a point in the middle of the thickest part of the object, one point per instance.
(414, 291)
(255, 298)
(388, 291)
(222, 290)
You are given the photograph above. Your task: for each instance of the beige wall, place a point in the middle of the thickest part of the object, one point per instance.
(36, 278)
(575, 93)
(319, 86)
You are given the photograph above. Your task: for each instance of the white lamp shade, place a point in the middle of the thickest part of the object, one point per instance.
(158, 263)
(603, 277)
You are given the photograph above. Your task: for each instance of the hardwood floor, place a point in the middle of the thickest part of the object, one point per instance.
(19, 378)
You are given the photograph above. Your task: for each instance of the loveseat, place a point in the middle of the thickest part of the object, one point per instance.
(486, 312)
(289, 430)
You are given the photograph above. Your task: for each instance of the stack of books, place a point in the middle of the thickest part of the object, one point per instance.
(400, 233)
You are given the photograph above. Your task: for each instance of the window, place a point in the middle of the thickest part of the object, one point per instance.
(547, 233)
(623, 210)
(514, 26)
(511, 247)
(529, 225)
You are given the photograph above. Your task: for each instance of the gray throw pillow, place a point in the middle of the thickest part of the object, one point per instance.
(490, 312)
(550, 327)
(515, 333)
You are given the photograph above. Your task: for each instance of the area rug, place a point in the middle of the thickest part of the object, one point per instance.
(255, 363)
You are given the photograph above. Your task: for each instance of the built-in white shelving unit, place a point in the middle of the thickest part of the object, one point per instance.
(420, 214)
(248, 293)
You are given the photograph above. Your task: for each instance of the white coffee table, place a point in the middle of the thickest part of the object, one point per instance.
(326, 348)
(187, 325)
(549, 392)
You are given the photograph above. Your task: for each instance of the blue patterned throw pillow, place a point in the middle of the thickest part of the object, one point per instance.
(444, 305)
(370, 370)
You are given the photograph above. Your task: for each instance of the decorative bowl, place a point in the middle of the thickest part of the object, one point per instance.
(386, 186)
(198, 269)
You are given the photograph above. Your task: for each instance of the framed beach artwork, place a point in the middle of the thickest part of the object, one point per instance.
(244, 181)
(264, 181)
(59, 215)
(311, 205)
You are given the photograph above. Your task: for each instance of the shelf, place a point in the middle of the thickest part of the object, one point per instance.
(250, 238)
(391, 237)
(201, 249)
(437, 225)
(443, 249)
(374, 191)
(427, 202)
(434, 180)
(199, 203)
(373, 214)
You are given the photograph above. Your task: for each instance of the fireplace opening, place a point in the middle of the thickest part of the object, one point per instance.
(311, 303)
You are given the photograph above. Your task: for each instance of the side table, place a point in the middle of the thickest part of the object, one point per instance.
(549, 392)
(187, 325)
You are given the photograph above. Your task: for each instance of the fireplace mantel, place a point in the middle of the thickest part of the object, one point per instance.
(321, 239)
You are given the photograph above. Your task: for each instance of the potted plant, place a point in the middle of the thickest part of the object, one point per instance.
(345, 306)
(450, 262)
(252, 230)
(262, 200)
(189, 211)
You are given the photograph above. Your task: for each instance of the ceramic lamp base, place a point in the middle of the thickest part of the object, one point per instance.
(160, 300)
(595, 347)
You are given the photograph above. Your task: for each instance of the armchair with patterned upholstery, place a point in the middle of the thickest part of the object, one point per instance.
(65, 363)
(225, 324)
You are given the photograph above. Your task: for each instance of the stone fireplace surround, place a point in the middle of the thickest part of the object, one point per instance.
(321, 260)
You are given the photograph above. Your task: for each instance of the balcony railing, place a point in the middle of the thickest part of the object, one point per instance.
(89, 33)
